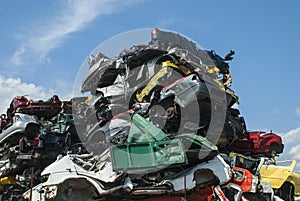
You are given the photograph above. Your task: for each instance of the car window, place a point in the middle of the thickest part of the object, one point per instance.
(239, 175)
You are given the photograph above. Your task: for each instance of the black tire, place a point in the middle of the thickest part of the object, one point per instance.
(286, 192)
(274, 149)
(166, 115)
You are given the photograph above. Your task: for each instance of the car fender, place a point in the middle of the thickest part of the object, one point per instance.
(276, 175)
(217, 165)
(64, 173)
(19, 126)
(45, 191)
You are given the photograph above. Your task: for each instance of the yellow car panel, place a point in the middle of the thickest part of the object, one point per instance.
(7, 181)
(277, 175)
(294, 178)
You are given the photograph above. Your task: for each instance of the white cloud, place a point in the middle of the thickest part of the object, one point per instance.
(11, 87)
(292, 136)
(291, 151)
(15, 59)
(297, 112)
(64, 89)
(295, 150)
(74, 16)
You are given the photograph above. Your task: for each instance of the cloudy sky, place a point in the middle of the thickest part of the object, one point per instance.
(44, 43)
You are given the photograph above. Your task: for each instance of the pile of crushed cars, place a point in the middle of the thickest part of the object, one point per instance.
(32, 135)
(160, 125)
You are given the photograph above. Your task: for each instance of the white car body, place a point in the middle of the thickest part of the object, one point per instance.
(66, 174)
(19, 126)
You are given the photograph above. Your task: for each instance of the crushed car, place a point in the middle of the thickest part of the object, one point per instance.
(54, 139)
(259, 142)
(157, 124)
(172, 73)
(21, 125)
(285, 181)
(251, 186)
(152, 165)
(40, 108)
(32, 143)
(105, 183)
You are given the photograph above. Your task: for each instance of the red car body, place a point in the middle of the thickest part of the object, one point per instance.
(258, 142)
(3, 122)
(245, 180)
(39, 108)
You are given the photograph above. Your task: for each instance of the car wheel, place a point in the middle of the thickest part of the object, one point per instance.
(286, 192)
(166, 115)
(273, 149)
(74, 190)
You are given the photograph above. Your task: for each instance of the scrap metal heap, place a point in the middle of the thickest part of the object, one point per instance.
(159, 126)
(183, 88)
(34, 133)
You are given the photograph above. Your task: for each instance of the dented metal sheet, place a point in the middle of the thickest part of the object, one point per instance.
(144, 157)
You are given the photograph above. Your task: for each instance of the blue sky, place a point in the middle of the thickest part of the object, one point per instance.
(43, 44)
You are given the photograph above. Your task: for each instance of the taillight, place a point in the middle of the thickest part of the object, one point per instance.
(37, 143)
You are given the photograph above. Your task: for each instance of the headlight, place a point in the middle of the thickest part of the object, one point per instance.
(17, 118)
